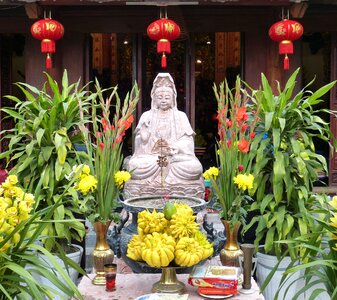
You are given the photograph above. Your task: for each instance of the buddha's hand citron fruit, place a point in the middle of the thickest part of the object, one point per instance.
(169, 210)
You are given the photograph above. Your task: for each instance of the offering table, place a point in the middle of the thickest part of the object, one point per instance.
(129, 286)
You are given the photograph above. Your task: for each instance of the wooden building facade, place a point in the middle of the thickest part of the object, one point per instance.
(220, 39)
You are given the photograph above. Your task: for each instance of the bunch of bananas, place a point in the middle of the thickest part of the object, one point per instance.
(172, 235)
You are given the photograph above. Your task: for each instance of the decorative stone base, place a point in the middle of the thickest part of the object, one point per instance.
(135, 188)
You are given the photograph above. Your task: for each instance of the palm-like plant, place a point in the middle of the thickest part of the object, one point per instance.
(318, 258)
(42, 147)
(286, 165)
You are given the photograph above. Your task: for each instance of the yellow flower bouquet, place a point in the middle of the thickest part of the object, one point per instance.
(15, 207)
(99, 181)
(231, 179)
(22, 225)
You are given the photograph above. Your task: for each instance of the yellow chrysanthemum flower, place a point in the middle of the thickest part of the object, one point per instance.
(121, 177)
(211, 172)
(333, 202)
(87, 184)
(86, 169)
(244, 181)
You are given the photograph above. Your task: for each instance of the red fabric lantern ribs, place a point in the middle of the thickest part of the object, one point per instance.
(163, 31)
(285, 32)
(47, 31)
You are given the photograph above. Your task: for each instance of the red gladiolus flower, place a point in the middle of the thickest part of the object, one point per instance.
(229, 143)
(112, 145)
(126, 123)
(120, 138)
(228, 123)
(222, 114)
(252, 135)
(241, 115)
(240, 168)
(221, 133)
(243, 146)
(104, 123)
(244, 127)
(101, 145)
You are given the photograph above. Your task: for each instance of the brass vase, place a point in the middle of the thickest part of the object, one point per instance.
(102, 253)
(230, 254)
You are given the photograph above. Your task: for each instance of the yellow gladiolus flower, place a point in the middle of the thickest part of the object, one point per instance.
(7, 200)
(3, 205)
(121, 177)
(16, 238)
(24, 206)
(5, 247)
(244, 181)
(87, 184)
(12, 211)
(12, 179)
(18, 192)
(29, 198)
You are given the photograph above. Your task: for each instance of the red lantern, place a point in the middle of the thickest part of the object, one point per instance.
(47, 31)
(163, 31)
(285, 32)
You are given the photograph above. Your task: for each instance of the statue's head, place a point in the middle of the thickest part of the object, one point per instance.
(163, 93)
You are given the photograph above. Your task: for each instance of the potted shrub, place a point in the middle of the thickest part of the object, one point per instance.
(318, 260)
(42, 150)
(20, 256)
(286, 166)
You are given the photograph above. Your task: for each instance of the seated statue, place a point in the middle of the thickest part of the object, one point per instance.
(164, 161)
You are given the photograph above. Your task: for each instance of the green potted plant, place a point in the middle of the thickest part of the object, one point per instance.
(318, 260)
(42, 150)
(232, 177)
(286, 166)
(21, 258)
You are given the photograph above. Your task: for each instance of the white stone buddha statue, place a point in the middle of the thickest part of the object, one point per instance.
(164, 161)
